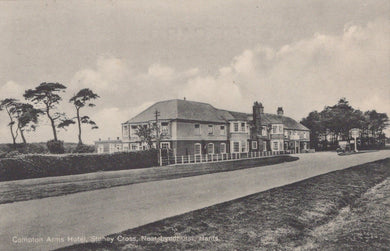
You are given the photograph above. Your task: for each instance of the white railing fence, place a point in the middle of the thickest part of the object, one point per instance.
(171, 159)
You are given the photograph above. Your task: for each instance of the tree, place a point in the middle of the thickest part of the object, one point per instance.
(26, 116)
(83, 98)
(146, 134)
(314, 122)
(7, 104)
(376, 122)
(47, 95)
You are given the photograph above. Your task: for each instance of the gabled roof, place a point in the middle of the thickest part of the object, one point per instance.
(198, 111)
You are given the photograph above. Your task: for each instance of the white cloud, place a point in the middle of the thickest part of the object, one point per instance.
(11, 89)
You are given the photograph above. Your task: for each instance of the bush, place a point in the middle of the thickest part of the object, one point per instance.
(81, 148)
(56, 146)
(36, 166)
(12, 154)
(2, 154)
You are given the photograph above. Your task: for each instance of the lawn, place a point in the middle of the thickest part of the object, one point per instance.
(20, 190)
(341, 210)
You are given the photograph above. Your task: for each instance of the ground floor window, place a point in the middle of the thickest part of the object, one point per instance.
(275, 145)
(243, 146)
(210, 148)
(254, 144)
(236, 147)
(197, 149)
(134, 147)
(223, 148)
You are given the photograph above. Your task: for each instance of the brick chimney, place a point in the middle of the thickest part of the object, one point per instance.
(258, 110)
(280, 111)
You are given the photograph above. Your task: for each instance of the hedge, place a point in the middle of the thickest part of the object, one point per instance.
(37, 166)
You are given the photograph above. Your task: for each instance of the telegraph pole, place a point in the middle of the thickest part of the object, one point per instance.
(157, 114)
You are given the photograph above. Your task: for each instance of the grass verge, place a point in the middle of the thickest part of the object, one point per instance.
(341, 210)
(20, 190)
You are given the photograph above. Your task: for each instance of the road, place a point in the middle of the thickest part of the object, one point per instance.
(82, 216)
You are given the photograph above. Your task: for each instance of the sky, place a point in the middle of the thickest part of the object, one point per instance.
(301, 55)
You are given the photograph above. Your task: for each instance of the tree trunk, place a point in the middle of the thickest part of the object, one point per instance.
(53, 126)
(79, 124)
(22, 135)
(11, 126)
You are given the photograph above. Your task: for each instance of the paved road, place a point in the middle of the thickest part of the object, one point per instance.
(102, 212)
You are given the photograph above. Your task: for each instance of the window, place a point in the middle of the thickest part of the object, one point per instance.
(285, 133)
(125, 131)
(100, 148)
(280, 128)
(264, 146)
(222, 148)
(242, 127)
(125, 147)
(134, 147)
(236, 147)
(210, 130)
(274, 129)
(304, 135)
(275, 145)
(133, 130)
(222, 130)
(197, 129)
(112, 148)
(254, 144)
(164, 128)
(164, 145)
(243, 146)
(197, 150)
(236, 127)
(210, 148)
(264, 131)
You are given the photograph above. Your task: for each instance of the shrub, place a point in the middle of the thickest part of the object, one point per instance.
(36, 166)
(2, 154)
(12, 154)
(55, 146)
(81, 148)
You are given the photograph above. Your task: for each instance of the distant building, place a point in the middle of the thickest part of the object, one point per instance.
(192, 128)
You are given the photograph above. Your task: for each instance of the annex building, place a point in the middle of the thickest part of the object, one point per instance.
(194, 128)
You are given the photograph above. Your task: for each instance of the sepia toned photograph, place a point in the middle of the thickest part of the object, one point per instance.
(194, 125)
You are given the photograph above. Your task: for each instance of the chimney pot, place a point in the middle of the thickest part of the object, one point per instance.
(280, 111)
(117, 138)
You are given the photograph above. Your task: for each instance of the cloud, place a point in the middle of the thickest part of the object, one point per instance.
(301, 76)
(11, 89)
(307, 74)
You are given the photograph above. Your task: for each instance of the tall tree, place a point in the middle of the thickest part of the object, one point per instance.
(26, 116)
(7, 105)
(47, 95)
(83, 98)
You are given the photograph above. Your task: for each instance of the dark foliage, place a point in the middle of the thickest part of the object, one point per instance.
(81, 148)
(56, 146)
(36, 166)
